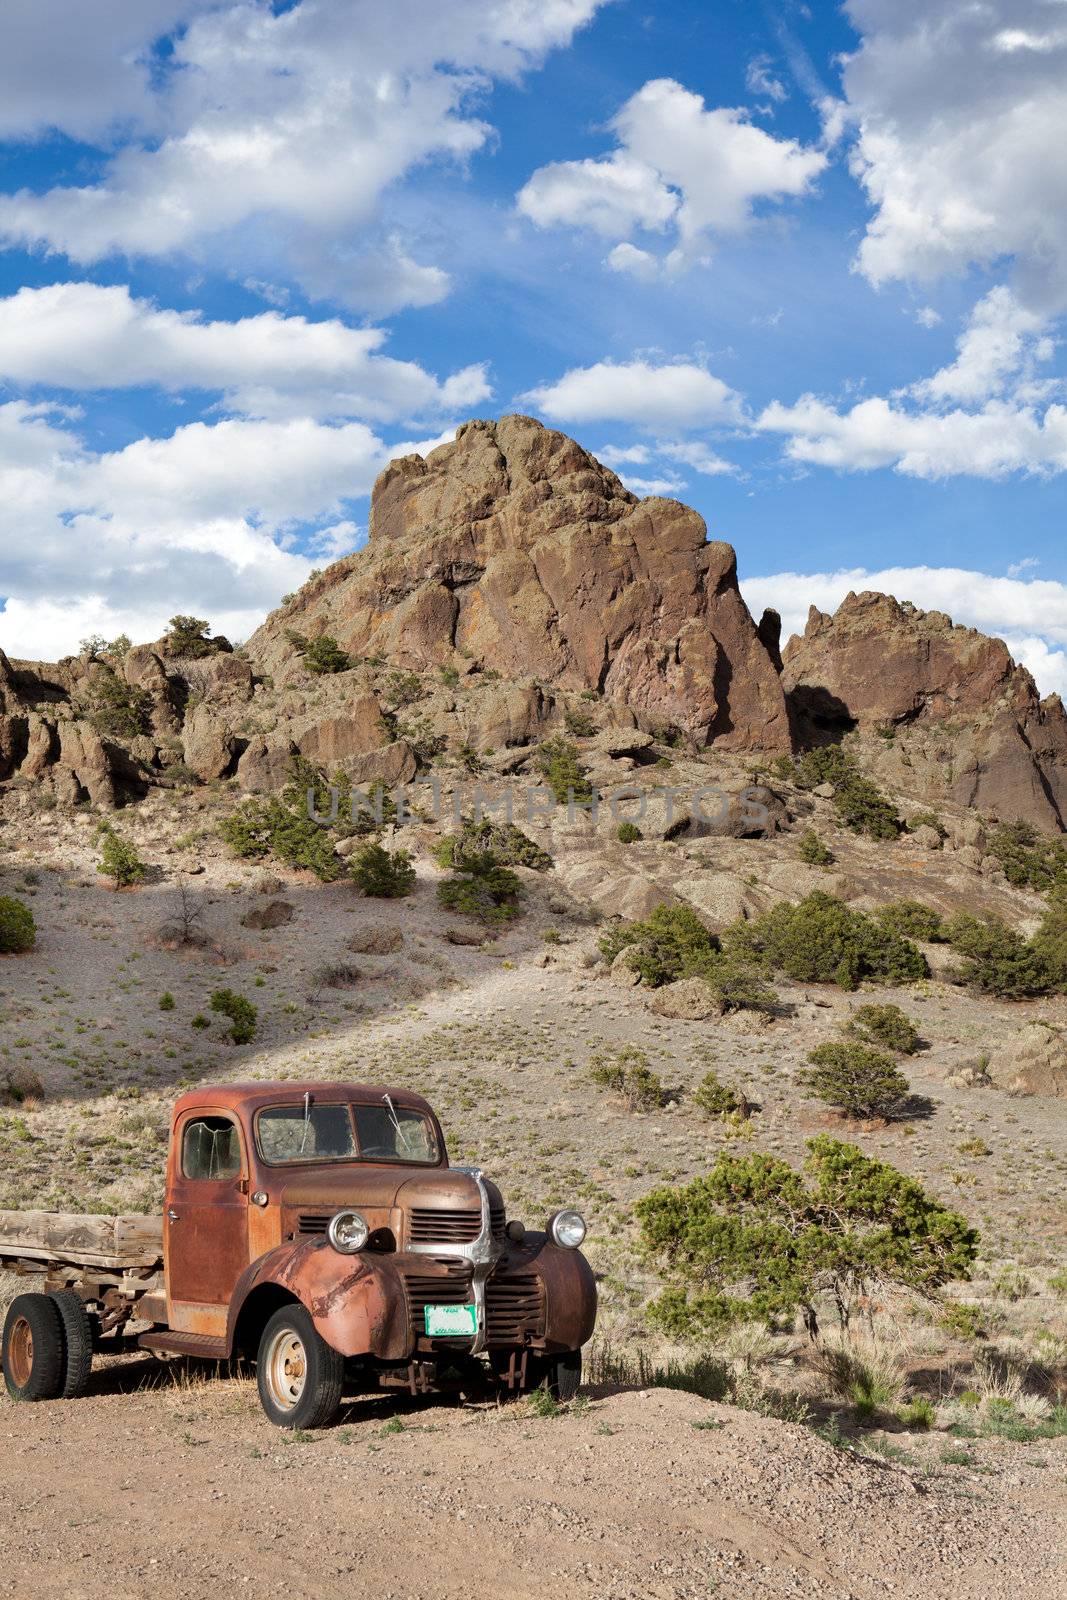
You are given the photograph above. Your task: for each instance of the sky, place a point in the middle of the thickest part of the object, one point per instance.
(802, 266)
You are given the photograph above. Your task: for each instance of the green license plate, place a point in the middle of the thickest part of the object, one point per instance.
(451, 1322)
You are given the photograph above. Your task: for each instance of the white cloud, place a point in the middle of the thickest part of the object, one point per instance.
(666, 487)
(86, 336)
(759, 79)
(960, 110)
(1029, 615)
(700, 457)
(702, 171)
(1001, 438)
(201, 521)
(1000, 337)
(927, 317)
(271, 137)
(640, 264)
(651, 397)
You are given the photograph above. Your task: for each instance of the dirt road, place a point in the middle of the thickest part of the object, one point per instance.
(184, 1491)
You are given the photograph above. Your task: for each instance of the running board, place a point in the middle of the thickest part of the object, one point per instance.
(202, 1345)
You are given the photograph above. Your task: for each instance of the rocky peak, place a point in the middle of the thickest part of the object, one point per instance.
(954, 714)
(515, 549)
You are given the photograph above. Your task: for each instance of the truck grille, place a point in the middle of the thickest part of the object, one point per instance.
(451, 1227)
(313, 1221)
(514, 1306)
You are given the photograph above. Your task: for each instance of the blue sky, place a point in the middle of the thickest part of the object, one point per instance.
(804, 267)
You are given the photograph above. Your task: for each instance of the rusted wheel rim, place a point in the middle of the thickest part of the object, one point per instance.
(20, 1353)
(287, 1366)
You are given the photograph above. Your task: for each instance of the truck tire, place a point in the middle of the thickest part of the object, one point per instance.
(560, 1375)
(33, 1348)
(298, 1374)
(77, 1343)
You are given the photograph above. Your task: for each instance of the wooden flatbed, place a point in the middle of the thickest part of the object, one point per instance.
(50, 1239)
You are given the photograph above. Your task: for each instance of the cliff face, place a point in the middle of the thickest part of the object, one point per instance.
(515, 549)
(953, 714)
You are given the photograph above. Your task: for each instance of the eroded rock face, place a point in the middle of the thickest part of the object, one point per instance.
(514, 547)
(1034, 1062)
(958, 718)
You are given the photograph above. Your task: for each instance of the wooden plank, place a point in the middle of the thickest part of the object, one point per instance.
(90, 1240)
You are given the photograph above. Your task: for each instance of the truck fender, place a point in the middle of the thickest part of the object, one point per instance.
(570, 1292)
(353, 1301)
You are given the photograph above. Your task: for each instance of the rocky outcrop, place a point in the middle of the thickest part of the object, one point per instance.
(954, 716)
(514, 549)
(1033, 1062)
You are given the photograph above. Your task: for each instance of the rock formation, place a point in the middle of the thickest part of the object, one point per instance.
(949, 713)
(515, 550)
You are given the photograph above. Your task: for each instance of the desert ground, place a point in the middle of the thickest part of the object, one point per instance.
(168, 1480)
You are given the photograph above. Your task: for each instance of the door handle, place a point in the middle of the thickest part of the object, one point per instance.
(173, 1215)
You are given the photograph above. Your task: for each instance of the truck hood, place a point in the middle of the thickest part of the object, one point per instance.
(438, 1188)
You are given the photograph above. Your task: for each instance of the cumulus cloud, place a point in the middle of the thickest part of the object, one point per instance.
(959, 112)
(1001, 338)
(654, 398)
(994, 442)
(85, 336)
(203, 521)
(1029, 615)
(702, 172)
(268, 135)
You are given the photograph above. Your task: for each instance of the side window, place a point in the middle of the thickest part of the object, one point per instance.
(211, 1148)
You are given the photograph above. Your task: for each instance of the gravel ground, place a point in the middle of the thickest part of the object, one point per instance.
(184, 1490)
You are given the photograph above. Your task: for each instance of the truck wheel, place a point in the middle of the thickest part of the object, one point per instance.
(77, 1343)
(560, 1375)
(33, 1348)
(299, 1375)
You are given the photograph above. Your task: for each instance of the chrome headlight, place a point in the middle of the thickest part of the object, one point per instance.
(567, 1229)
(348, 1232)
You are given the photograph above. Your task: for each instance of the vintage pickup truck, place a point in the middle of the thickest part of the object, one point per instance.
(319, 1231)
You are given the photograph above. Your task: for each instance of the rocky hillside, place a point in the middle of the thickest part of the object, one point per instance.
(511, 589)
(951, 714)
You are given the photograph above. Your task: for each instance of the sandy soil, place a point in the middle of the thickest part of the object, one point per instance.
(185, 1491)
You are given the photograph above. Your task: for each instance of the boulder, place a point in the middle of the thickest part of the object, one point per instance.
(689, 999)
(1033, 1062)
(718, 898)
(209, 750)
(275, 914)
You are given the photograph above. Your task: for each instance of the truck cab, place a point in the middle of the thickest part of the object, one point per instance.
(320, 1230)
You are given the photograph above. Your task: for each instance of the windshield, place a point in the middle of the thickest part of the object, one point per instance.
(340, 1132)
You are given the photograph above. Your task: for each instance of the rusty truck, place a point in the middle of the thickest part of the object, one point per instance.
(320, 1232)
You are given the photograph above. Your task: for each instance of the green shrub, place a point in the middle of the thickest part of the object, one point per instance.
(383, 874)
(18, 930)
(1030, 860)
(629, 833)
(885, 1025)
(813, 852)
(860, 1081)
(399, 690)
(557, 761)
(859, 803)
(19, 1084)
(188, 636)
(262, 827)
(480, 887)
(919, 1414)
(626, 1071)
(115, 707)
(822, 941)
(757, 1240)
(321, 655)
(166, 1001)
(998, 960)
(912, 920)
(578, 722)
(508, 845)
(200, 1021)
(963, 1318)
(717, 1099)
(119, 859)
(241, 1012)
(671, 943)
